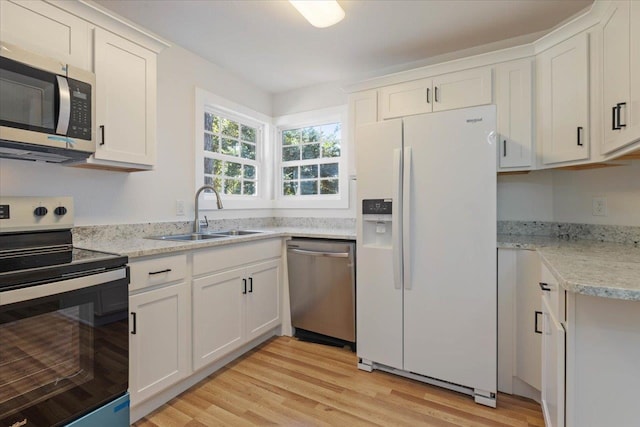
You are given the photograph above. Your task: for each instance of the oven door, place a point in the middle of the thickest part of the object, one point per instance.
(64, 348)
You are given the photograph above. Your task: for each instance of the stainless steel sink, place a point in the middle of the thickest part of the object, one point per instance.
(235, 232)
(205, 236)
(188, 237)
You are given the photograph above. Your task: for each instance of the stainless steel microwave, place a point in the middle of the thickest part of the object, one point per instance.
(47, 108)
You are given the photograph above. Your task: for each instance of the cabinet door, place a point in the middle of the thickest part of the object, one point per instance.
(528, 318)
(158, 341)
(553, 367)
(262, 298)
(125, 100)
(218, 303)
(46, 30)
(405, 99)
(514, 105)
(621, 68)
(563, 108)
(363, 109)
(462, 89)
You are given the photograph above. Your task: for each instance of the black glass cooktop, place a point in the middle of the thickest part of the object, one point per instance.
(37, 266)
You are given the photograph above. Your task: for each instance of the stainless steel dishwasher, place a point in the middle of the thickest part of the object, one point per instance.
(322, 290)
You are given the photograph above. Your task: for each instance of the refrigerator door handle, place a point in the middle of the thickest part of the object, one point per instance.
(396, 218)
(406, 218)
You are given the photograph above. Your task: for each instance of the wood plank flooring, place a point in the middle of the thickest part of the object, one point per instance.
(291, 383)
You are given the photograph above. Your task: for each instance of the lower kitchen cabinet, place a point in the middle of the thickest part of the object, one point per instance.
(519, 323)
(158, 340)
(553, 366)
(233, 307)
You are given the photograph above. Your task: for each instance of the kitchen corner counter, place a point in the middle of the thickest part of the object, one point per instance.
(136, 247)
(609, 270)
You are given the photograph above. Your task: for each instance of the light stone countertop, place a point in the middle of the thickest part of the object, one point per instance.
(136, 247)
(587, 267)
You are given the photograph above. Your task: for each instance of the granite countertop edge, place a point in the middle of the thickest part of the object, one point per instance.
(138, 247)
(586, 267)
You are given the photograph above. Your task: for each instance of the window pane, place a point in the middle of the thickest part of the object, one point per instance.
(248, 151)
(234, 169)
(309, 171)
(290, 153)
(329, 186)
(232, 186)
(308, 187)
(249, 172)
(218, 167)
(329, 170)
(290, 172)
(331, 149)
(311, 151)
(208, 180)
(211, 123)
(211, 143)
(248, 133)
(249, 187)
(230, 128)
(290, 188)
(208, 165)
(311, 134)
(230, 147)
(291, 137)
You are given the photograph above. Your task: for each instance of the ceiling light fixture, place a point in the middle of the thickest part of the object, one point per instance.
(319, 13)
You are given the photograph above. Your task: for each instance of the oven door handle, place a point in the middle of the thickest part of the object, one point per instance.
(54, 288)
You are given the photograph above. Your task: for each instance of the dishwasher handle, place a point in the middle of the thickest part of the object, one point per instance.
(325, 254)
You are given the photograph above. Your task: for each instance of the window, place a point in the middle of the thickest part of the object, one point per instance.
(233, 152)
(310, 162)
(230, 154)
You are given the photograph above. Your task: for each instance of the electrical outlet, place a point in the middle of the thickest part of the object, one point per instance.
(599, 207)
(180, 207)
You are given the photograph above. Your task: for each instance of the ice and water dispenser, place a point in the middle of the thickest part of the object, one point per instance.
(377, 223)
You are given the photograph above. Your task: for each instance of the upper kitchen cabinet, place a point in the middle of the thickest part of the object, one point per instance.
(363, 109)
(125, 103)
(446, 92)
(621, 75)
(46, 30)
(514, 101)
(563, 101)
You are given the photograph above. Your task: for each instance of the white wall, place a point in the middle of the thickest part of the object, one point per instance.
(566, 196)
(105, 197)
(308, 99)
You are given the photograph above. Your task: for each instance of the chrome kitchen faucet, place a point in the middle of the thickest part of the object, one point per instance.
(196, 221)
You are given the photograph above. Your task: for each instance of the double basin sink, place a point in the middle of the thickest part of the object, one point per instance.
(205, 236)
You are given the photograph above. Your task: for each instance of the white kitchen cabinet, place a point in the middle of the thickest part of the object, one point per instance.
(45, 29)
(514, 102)
(563, 101)
(232, 307)
(363, 109)
(158, 340)
(125, 103)
(553, 367)
(445, 92)
(621, 75)
(519, 323)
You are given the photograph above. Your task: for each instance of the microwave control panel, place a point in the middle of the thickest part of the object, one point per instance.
(80, 120)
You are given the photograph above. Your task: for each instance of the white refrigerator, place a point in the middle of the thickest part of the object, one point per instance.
(426, 245)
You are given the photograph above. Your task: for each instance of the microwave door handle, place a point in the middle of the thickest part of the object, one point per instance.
(65, 106)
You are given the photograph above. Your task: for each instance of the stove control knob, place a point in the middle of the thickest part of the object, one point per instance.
(60, 210)
(40, 211)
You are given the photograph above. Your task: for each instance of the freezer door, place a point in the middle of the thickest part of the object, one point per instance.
(450, 301)
(379, 280)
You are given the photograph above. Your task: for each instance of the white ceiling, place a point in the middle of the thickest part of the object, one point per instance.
(271, 45)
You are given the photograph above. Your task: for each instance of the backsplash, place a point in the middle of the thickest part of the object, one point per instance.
(570, 231)
(123, 231)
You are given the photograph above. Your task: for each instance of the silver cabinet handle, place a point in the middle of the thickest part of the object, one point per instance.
(315, 253)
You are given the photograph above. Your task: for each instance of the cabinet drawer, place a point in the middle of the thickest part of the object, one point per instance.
(210, 260)
(555, 294)
(155, 271)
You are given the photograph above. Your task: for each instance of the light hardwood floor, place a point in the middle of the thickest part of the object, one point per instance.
(292, 383)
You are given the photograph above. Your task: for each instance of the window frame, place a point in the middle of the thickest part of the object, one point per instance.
(209, 102)
(310, 119)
